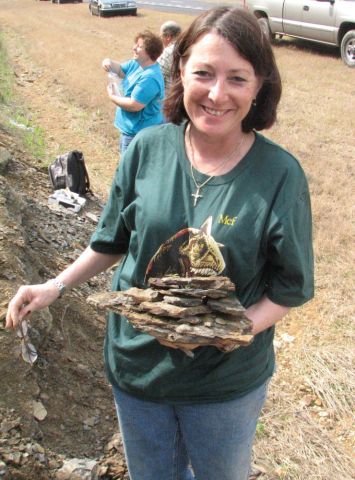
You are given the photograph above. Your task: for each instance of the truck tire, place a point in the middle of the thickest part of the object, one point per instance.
(265, 27)
(347, 48)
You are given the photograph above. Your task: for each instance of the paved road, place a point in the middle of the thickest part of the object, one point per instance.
(178, 6)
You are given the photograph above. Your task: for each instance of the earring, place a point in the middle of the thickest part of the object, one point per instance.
(253, 103)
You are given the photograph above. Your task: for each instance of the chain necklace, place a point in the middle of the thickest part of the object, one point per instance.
(197, 194)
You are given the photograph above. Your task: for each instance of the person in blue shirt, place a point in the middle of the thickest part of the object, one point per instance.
(139, 101)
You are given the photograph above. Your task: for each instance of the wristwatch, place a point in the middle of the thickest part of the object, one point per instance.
(61, 287)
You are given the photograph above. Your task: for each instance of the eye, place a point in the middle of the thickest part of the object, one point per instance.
(202, 73)
(237, 79)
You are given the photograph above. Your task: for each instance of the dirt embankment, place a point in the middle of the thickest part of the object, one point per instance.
(61, 407)
(67, 383)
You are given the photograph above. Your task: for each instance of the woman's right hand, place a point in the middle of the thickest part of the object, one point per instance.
(106, 64)
(30, 298)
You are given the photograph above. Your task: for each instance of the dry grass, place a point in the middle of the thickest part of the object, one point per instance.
(309, 415)
(297, 447)
(306, 431)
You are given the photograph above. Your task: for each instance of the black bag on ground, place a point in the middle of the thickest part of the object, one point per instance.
(69, 171)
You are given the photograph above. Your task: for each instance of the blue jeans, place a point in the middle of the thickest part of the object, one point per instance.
(125, 140)
(162, 441)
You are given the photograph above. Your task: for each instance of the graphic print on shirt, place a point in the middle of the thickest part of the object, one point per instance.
(190, 252)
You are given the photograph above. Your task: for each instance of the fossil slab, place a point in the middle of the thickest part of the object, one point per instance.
(178, 310)
(213, 282)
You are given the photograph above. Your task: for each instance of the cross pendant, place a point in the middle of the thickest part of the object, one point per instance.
(196, 196)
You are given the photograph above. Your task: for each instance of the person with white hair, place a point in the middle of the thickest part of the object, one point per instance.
(169, 32)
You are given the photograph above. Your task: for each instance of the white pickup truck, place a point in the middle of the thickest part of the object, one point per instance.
(324, 21)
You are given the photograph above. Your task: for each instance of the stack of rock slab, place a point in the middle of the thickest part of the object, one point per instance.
(183, 310)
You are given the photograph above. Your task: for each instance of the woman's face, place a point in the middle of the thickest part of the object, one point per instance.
(219, 86)
(139, 52)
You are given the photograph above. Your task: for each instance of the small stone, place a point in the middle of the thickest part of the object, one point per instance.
(304, 388)
(8, 425)
(78, 469)
(287, 338)
(28, 447)
(2, 467)
(91, 422)
(37, 448)
(13, 458)
(5, 157)
(92, 217)
(20, 446)
(54, 464)
(39, 411)
(41, 458)
(307, 400)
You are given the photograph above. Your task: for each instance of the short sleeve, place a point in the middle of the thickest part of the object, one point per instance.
(146, 89)
(126, 66)
(112, 234)
(290, 253)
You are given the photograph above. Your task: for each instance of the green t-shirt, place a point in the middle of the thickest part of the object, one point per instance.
(261, 215)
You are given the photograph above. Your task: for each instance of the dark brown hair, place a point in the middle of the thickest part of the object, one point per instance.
(152, 43)
(241, 29)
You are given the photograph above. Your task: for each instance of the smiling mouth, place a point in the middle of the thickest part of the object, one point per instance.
(214, 112)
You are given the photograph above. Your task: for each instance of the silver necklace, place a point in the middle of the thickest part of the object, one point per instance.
(197, 194)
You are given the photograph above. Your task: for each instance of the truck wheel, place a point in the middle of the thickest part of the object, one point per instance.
(347, 48)
(265, 27)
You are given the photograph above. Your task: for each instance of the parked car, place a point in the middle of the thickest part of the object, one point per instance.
(110, 7)
(67, 1)
(324, 21)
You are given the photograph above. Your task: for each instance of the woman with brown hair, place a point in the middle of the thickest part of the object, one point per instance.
(194, 416)
(140, 102)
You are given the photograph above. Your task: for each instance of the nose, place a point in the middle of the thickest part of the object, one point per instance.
(218, 90)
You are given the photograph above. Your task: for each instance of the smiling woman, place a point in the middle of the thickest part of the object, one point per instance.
(219, 89)
(208, 167)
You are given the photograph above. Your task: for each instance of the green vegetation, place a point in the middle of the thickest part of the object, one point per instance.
(260, 430)
(33, 135)
(6, 75)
